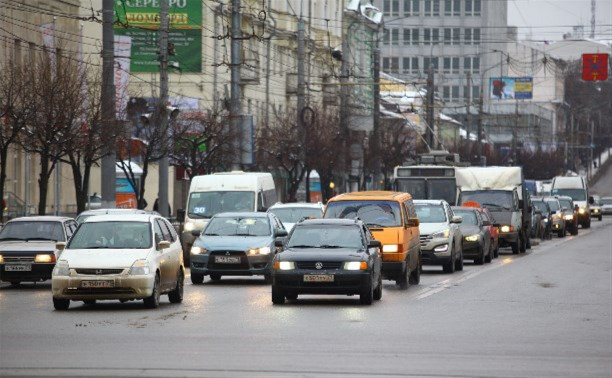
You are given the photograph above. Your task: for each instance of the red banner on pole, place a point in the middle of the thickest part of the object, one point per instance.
(594, 67)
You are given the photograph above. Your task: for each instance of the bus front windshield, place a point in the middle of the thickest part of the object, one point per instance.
(207, 204)
(416, 187)
(430, 188)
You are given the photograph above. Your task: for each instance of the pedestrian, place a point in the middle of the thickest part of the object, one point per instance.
(156, 206)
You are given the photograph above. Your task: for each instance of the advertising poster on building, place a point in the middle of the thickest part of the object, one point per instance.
(140, 20)
(518, 88)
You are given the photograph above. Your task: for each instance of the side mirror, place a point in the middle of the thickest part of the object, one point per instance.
(196, 233)
(412, 222)
(279, 242)
(60, 246)
(282, 233)
(591, 200)
(456, 219)
(164, 244)
(180, 215)
(374, 244)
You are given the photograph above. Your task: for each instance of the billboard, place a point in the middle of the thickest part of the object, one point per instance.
(140, 20)
(519, 88)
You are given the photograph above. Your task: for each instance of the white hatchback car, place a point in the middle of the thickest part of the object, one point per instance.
(293, 212)
(124, 257)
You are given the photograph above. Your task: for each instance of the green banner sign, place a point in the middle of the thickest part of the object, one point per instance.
(140, 19)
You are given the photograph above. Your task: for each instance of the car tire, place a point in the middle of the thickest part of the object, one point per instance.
(61, 304)
(402, 280)
(378, 290)
(197, 278)
(489, 257)
(496, 252)
(522, 243)
(15, 283)
(599, 218)
(268, 278)
(215, 276)
(449, 267)
(515, 248)
(291, 296)
(561, 233)
(90, 302)
(459, 263)
(587, 224)
(366, 296)
(176, 295)
(278, 297)
(415, 275)
(153, 300)
(480, 259)
(575, 229)
(528, 242)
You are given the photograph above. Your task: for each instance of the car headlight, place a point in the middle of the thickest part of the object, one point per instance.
(581, 210)
(284, 265)
(139, 268)
(45, 258)
(596, 211)
(390, 248)
(61, 268)
(260, 251)
(545, 220)
(195, 250)
(189, 226)
(441, 248)
(472, 238)
(569, 217)
(507, 228)
(355, 265)
(1, 259)
(441, 234)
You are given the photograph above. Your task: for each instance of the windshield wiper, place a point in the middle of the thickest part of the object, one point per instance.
(194, 215)
(302, 246)
(330, 246)
(375, 225)
(41, 239)
(211, 234)
(12, 239)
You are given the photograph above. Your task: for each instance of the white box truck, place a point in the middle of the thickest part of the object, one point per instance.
(224, 192)
(577, 188)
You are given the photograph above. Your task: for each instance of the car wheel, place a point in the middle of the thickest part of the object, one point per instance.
(522, 243)
(378, 290)
(366, 296)
(197, 278)
(599, 218)
(176, 295)
(268, 278)
(489, 257)
(496, 251)
(587, 224)
(575, 230)
(291, 296)
(515, 248)
(459, 263)
(528, 242)
(449, 267)
(153, 300)
(278, 297)
(15, 283)
(480, 259)
(402, 280)
(61, 304)
(415, 275)
(90, 302)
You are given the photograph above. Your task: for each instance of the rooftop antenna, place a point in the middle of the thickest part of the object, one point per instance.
(592, 36)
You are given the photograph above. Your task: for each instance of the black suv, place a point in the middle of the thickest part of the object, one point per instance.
(328, 256)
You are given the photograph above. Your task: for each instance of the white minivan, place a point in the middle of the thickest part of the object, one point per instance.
(577, 188)
(234, 191)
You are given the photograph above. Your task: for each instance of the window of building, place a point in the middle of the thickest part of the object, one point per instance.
(386, 37)
(475, 92)
(446, 93)
(411, 8)
(476, 36)
(435, 36)
(446, 67)
(454, 93)
(410, 65)
(395, 8)
(405, 65)
(448, 7)
(468, 36)
(426, 36)
(436, 8)
(472, 7)
(406, 36)
(456, 7)
(428, 7)
(476, 65)
(432, 8)
(447, 36)
(394, 68)
(387, 7)
(395, 36)
(416, 39)
(455, 65)
(385, 64)
(427, 62)
(476, 7)
(456, 36)
(415, 65)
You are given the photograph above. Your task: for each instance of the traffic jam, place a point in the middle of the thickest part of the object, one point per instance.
(438, 214)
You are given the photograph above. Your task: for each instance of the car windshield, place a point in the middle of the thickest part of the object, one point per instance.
(238, 226)
(207, 204)
(373, 213)
(565, 203)
(421, 188)
(554, 205)
(295, 214)
(326, 236)
(606, 201)
(469, 217)
(430, 213)
(32, 230)
(112, 235)
(490, 199)
(576, 194)
(541, 205)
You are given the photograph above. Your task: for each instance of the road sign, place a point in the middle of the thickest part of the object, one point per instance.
(594, 67)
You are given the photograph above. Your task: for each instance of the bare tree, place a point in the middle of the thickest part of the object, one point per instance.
(16, 111)
(202, 142)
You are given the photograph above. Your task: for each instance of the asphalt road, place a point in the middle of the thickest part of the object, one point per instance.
(547, 313)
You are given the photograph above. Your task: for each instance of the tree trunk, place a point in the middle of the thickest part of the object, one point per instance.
(3, 156)
(80, 186)
(307, 185)
(43, 183)
(141, 188)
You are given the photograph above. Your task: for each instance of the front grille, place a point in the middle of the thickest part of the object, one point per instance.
(98, 272)
(109, 290)
(313, 265)
(18, 259)
(243, 265)
(424, 239)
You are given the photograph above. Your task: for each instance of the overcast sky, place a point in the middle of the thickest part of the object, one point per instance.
(549, 19)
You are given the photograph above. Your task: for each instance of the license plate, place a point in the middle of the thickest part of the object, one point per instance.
(227, 259)
(18, 268)
(97, 284)
(318, 278)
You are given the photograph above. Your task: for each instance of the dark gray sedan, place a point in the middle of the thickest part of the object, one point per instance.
(476, 235)
(328, 256)
(235, 244)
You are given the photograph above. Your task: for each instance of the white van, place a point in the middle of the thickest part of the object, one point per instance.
(577, 188)
(224, 192)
